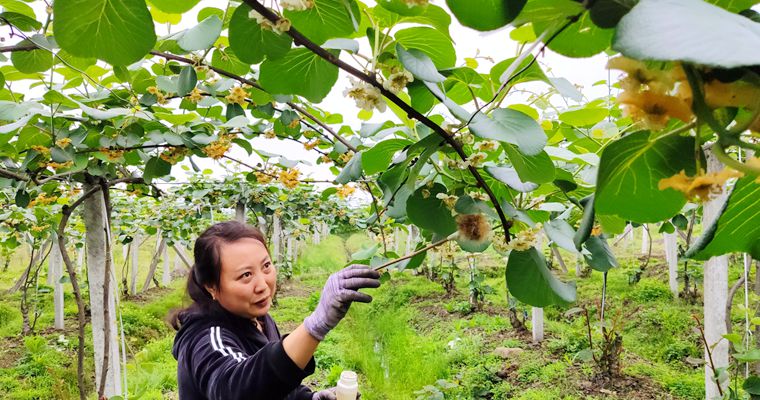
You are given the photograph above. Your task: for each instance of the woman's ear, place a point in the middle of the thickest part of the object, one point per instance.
(211, 290)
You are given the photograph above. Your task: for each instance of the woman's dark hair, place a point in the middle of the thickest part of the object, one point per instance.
(207, 269)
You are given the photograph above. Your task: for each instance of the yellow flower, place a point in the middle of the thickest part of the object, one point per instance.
(113, 155)
(326, 159)
(294, 123)
(345, 191)
(55, 165)
(701, 186)
(172, 155)
(366, 96)
(195, 96)
(346, 157)
(218, 148)
(475, 159)
(311, 145)
(397, 81)
(42, 199)
(596, 230)
(42, 150)
(263, 177)
(63, 142)
(153, 90)
(486, 145)
(296, 5)
(270, 134)
(237, 95)
(289, 178)
(654, 109)
(447, 199)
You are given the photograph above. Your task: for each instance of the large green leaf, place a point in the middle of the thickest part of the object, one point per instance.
(251, 43)
(352, 171)
(403, 7)
(32, 61)
(419, 64)
(431, 42)
(300, 72)
(511, 126)
(379, 157)
(738, 227)
(581, 39)
(174, 6)
(537, 168)
(683, 29)
(187, 80)
(326, 19)
(630, 170)
(585, 116)
(485, 15)
(530, 281)
(156, 168)
(428, 212)
(607, 13)
(586, 224)
(529, 73)
(118, 32)
(201, 36)
(600, 256)
(561, 233)
(509, 177)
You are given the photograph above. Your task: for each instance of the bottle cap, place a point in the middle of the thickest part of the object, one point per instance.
(348, 376)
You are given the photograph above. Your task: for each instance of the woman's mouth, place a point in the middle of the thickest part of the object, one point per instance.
(262, 303)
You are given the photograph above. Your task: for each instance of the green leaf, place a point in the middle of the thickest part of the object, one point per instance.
(22, 22)
(17, 7)
(251, 43)
(22, 198)
(511, 126)
(156, 168)
(176, 118)
(187, 80)
(629, 173)
(365, 254)
(174, 6)
(586, 116)
(607, 13)
(751, 385)
(581, 39)
(530, 281)
(118, 32)
(485, 15)
(228, 61)
(326, 19)
(431, 42)
(537, 168)
(428, 212)
(300, 72)
(419, 64)
(28, 62)
(531, 71)
(671, 30)
(561, 233)
(612, 224)
(379, 157)
(509, 177)
(352, 171)
(402, 7)
(434, 16)
(422, 99)
(587, 224)
(737, 229)
(201, 36)
(601, 258)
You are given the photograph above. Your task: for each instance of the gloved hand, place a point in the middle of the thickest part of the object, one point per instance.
(329, 394)
(341, 289)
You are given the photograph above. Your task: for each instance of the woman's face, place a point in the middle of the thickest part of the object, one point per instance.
(248, 279)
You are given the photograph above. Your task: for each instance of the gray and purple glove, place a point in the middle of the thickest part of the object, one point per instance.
(329, 394)
(341, 289)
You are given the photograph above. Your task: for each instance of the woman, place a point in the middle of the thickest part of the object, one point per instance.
(227, 345)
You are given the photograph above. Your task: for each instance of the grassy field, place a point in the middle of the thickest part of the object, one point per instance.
(414, 340)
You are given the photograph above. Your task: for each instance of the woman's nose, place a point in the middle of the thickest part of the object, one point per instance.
(259, 285)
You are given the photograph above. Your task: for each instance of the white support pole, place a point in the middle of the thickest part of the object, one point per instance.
(166, 277)
(276, 237)
(134, 259)
(80, 260)
(716, 293)
(645, 239)
(537, 314)
(240, 212)
(56, 268)
(95, 236)
(671, 256)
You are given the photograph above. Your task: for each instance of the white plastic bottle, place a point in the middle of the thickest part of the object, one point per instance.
(347, 388)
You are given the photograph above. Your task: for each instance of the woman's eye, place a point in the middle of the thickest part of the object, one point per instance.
(245, 275)
(267, 265)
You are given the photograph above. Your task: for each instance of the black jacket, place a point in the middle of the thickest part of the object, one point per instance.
(227, 357)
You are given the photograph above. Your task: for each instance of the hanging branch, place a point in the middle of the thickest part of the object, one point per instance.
(300, 39)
